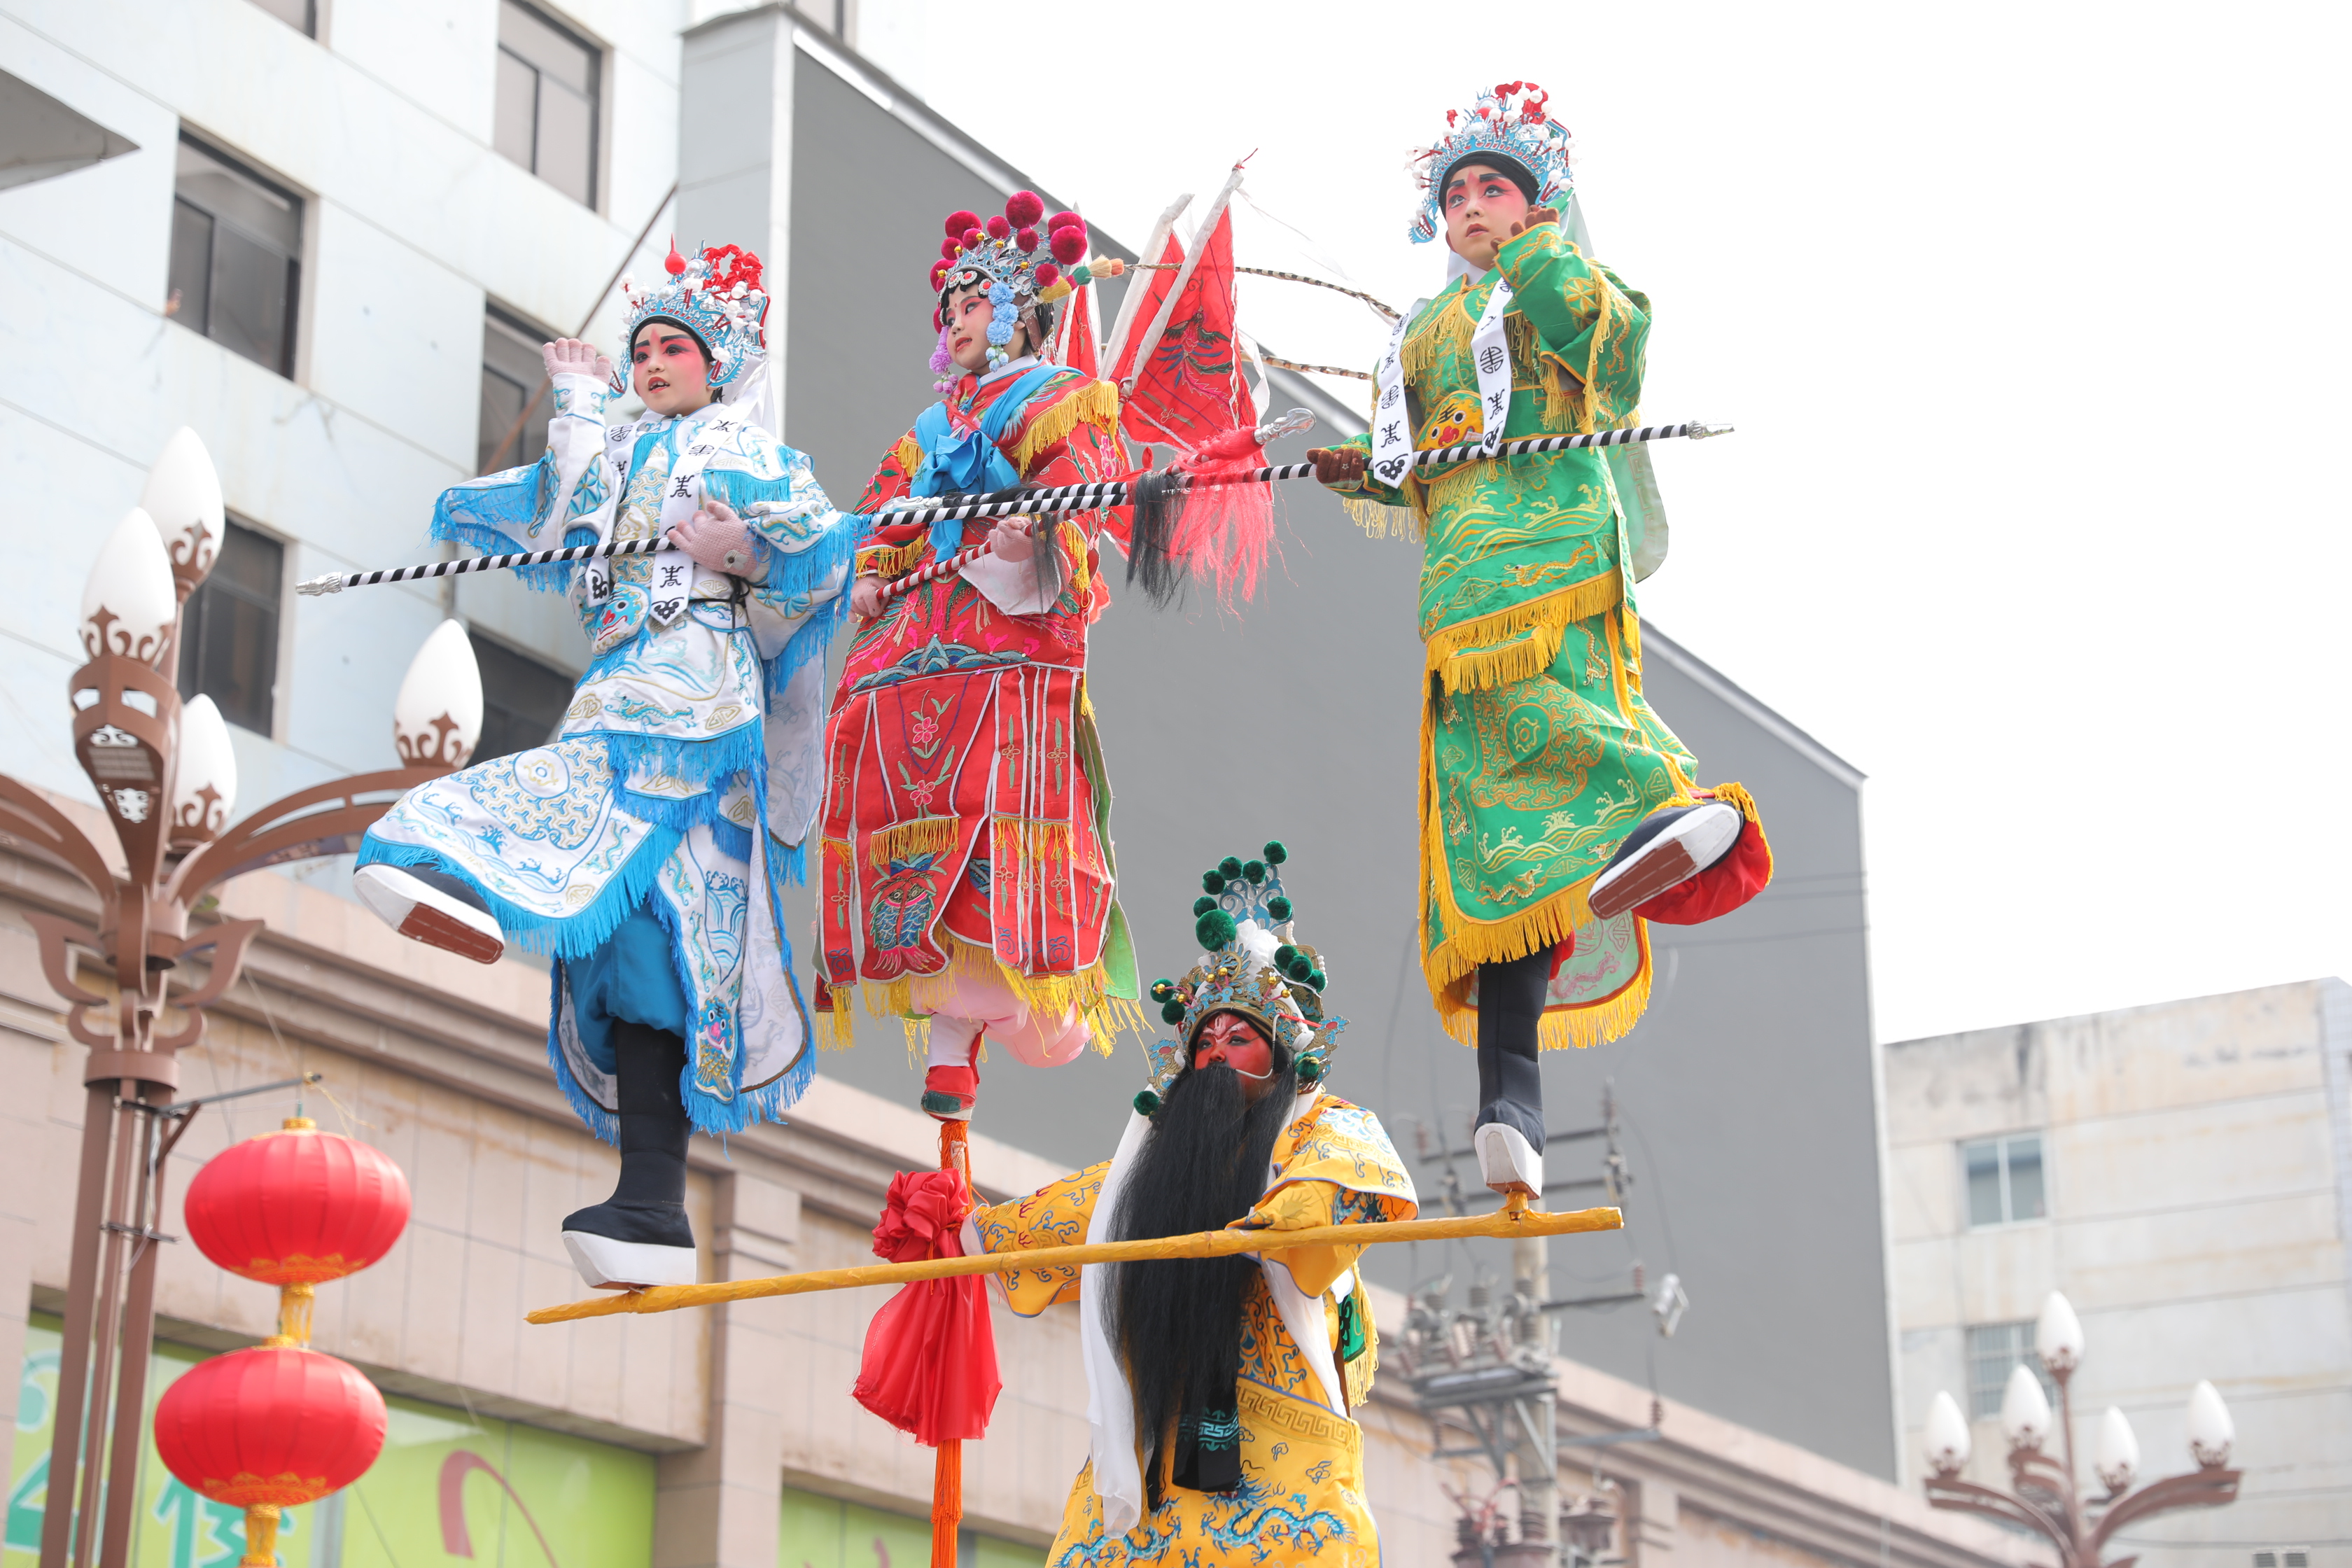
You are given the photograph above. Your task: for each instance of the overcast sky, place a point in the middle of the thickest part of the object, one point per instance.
(2032, 324)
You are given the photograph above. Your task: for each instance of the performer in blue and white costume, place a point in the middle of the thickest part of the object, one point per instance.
(645, 846)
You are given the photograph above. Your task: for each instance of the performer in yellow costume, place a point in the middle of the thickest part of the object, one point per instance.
(1221, 1387)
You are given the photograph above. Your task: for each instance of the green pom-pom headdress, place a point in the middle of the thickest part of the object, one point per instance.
(1253, 965)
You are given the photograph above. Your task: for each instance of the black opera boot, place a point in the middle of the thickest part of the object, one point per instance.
(1510, 1132)
(640, 1235)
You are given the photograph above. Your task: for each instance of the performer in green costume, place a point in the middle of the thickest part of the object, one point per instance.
(1558, 812)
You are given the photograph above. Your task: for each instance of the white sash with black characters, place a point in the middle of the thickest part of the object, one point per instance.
(1492, 356)
(1489, 354)
(1392, 441)
(671, 584)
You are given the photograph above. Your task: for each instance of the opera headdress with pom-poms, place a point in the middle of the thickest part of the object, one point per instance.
(1024, 257)
(716, 296)
(1255, 965)
(1510, 126)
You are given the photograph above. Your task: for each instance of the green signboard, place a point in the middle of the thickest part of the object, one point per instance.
(825, 1533)
(450, 1487)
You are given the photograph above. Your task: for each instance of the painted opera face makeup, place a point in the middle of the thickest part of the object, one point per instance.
(1480, 206)
(968, 315)
(1233, 1039)
(668, 369)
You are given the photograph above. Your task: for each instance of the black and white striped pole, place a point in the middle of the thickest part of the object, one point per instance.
(1047, 502)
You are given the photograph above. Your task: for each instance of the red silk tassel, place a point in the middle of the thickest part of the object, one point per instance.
(929, 1363)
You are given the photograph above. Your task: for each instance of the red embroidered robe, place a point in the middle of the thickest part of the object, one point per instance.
(967, 812)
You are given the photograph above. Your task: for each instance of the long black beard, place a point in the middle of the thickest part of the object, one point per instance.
(1178, 1323)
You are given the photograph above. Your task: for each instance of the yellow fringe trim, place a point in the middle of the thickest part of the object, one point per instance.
(1026, 838)
(907, 454)
(1095, 403)
(923, 835)
(1450, 329)
(1518, 643)
(883, 561)
(1737, 794)
(1561, 1028)
(1086, 993)
(1381, 520)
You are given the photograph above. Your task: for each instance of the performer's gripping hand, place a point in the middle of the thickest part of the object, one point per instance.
(715, 537)
(866, 598)
(1337, 465)
(1296, 1207)
(569, 356)
(1537, 218)
(1015, 539)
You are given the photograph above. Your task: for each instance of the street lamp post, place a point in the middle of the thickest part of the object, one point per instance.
(2044, 1495)
(166, 775)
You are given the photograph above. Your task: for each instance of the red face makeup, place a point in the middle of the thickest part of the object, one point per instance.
(1230, 1038)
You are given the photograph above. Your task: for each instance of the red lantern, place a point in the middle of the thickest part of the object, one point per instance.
(268, 1429)
(296, 1206)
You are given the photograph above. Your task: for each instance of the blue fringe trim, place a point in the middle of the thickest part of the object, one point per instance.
(683, 814)
(599, 1121)
(490, 514)
(739, 749)
(572, 936)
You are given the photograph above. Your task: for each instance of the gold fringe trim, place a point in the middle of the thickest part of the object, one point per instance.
(1563, 1028)
(1381, 520)
(1450, 328)
(1026, 838)
(1519, 642)
(1095, 403)
(885, 560)
(907, 454)
(1737, 794)
(923, 835)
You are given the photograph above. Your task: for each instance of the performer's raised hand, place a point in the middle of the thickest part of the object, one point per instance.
(1337, 465)
(569, 356)
(1537, 218)
(715, 537)
(866, 598)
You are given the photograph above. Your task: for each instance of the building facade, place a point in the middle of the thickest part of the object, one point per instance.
(2183, 1174)
(329, 235)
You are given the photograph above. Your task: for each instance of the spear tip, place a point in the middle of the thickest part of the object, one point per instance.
(332, 583)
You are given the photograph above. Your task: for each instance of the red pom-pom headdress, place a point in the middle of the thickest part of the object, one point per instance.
(1037, 260)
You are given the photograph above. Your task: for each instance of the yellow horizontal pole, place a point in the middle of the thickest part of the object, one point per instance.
(1514, 1221)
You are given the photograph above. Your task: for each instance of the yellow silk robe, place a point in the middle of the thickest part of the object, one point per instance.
(1301, 1498)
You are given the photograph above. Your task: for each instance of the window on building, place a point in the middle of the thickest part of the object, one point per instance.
(512, 375)
(2288, 1557)
(522, 700)
(228, 632)
(236, 256)
(546, 110)
(2004, 1178)
(302, 16)
(1994, 1349)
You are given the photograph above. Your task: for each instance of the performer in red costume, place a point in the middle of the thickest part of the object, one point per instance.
(967, 878)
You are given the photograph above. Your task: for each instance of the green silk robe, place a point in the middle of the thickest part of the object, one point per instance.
(1539, 750)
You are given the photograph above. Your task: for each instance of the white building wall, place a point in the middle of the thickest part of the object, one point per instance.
(2196, 1221)
(383, 123)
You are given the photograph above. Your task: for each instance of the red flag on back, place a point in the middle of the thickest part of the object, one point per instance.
(1074, 335)
(1155, 284)
(1189, 392)
(1189, 386)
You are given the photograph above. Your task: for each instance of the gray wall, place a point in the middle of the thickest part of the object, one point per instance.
(1748, 1096)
